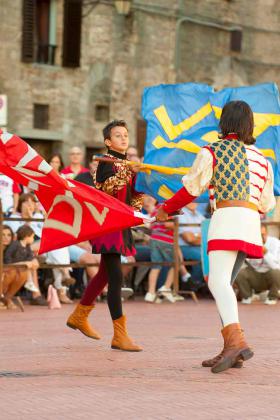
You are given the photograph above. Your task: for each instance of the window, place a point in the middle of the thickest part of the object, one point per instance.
(72, 33)
(41, 116)
(102, 113)
(39, 31)
(236, 41)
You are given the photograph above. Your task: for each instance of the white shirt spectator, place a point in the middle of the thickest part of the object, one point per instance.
(271, 259)
(7, 190)
(189, 216)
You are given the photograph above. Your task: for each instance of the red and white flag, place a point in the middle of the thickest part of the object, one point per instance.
(75, 212)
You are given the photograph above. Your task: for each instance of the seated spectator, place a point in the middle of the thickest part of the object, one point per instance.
(132, 154)
(162, 250)
(27, 209)
(9, 194)
(87, 177)
(56, 162)
(13, 278)
(19, 252)
(75, 168)
(261, 274)
(190, 241)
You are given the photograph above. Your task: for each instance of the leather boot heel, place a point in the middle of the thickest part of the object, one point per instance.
(236, 350)
(121, 340)
(246, 354)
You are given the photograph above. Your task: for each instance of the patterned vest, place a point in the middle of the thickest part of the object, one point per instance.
(231, 172)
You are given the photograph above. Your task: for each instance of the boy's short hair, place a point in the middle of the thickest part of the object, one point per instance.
(24, 232)
(115, 123)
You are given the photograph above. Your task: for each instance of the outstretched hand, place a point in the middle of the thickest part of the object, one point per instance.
(161, 215)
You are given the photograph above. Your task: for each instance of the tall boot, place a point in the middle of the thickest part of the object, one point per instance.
(235, 348)
(211, 362)
(121, 340)
(78, 320)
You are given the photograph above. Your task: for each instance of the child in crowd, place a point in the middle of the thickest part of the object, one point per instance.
(19, 252)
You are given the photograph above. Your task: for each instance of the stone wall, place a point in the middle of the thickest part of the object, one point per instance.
(122, 55)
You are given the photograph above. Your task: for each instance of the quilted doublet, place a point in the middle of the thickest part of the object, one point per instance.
(231, 172)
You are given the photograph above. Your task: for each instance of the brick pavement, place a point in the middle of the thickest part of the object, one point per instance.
(64, 375)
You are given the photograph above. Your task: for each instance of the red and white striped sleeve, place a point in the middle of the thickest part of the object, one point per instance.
(195, 182)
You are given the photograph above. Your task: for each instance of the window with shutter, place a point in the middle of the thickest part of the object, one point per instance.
(72, 33)
(38, 32)
(28, 26)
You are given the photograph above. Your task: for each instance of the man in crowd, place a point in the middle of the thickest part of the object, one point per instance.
(262, 274)
(75, 167)
(132, 154)
(87, 177)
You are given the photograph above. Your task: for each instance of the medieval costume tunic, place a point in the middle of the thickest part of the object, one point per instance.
(240, 182)
(118, 180)
(237, 176)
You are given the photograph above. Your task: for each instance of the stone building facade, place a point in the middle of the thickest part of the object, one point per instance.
(54, 105)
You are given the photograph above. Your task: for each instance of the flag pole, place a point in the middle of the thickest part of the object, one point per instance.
(144, 167)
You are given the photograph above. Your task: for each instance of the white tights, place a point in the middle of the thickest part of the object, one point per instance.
(223, 269)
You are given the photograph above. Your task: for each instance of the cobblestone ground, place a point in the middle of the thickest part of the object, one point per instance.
(48, 371)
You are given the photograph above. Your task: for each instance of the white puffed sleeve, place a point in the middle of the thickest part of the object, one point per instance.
(267, 200)
(198, 178)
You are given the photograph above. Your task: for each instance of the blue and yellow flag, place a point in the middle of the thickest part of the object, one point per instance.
(182, 118)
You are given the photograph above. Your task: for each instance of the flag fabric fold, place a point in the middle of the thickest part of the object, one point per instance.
(75, 212)
(182, 118)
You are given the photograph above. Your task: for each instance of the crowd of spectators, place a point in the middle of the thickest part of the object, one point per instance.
(258, 280)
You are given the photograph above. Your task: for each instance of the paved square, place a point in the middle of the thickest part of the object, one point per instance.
(48, 371)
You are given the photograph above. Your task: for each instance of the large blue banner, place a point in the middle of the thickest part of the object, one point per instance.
(182, 118)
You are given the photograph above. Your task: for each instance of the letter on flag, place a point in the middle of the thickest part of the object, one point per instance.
(75, 212)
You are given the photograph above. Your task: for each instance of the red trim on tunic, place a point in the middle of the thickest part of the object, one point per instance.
(255, 185)
(252, 150)
(252, 250)
(213, 155)
(231, 136)
(259, 163)
(178, 201)
(260, 176)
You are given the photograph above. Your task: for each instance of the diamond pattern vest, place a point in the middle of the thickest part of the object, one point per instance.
(231, 172)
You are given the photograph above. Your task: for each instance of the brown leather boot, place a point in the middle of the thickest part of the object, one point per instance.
(121, 340)
(214, 360)
(78, 320)
(235, 348)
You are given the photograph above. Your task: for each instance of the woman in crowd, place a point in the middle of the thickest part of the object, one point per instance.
(13, 278)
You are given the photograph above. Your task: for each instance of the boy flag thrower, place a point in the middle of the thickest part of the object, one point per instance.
(75, 212)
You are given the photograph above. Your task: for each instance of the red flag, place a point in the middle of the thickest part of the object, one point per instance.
(75, 212)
